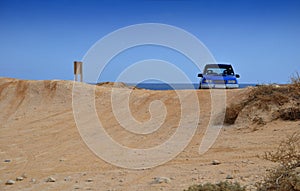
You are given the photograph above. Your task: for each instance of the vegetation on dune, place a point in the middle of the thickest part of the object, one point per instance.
(295, 79)
(221, 186)
(286, 100)
(286, 176)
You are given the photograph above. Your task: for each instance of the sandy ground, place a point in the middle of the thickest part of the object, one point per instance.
(39, 139)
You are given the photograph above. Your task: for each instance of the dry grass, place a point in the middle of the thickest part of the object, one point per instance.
(265, 97)
(284, 177)
(292, 113)
(288, 152)
(221, 186)
(295, 79)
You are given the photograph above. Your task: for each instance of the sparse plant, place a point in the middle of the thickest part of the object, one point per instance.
(295, 79)
(284, 177)
(285, 99)
(292, 113)
(260, 97)
(221, 186)
(288, 152)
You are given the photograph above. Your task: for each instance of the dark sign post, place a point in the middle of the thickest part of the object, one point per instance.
(78, 70)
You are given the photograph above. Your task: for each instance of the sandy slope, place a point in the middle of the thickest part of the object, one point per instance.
(38, 134)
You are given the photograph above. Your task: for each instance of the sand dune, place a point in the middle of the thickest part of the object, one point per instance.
(39, 137)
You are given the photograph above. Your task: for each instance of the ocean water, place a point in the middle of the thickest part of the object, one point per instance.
(162, 86)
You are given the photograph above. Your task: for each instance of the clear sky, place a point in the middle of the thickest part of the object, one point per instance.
(41, 39)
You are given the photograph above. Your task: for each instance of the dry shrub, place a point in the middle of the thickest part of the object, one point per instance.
(266, 96)
(260, 97)
(284, 177)
(221, 186)
(288, 152)
(295, 79)
(292, 113)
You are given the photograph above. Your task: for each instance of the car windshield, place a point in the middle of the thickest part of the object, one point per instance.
(218, 69)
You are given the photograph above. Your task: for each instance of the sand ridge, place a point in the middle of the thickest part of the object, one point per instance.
(38, 134)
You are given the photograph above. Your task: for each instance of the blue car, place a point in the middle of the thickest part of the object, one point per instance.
(218, 76)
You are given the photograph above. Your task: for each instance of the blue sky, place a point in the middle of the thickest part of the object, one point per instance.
(41, 39)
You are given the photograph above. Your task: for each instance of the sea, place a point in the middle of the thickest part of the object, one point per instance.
(164, 86)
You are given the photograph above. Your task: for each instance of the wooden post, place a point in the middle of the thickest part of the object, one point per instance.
(78, 70)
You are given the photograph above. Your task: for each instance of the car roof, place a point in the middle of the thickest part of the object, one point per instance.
(217, 65)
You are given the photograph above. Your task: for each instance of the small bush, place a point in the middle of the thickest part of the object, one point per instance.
(284, 177)
(288, 152)
(265, 97)
(292, 113)
(260, 97)
(269, 94)
(222, 186)
(295, 79)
